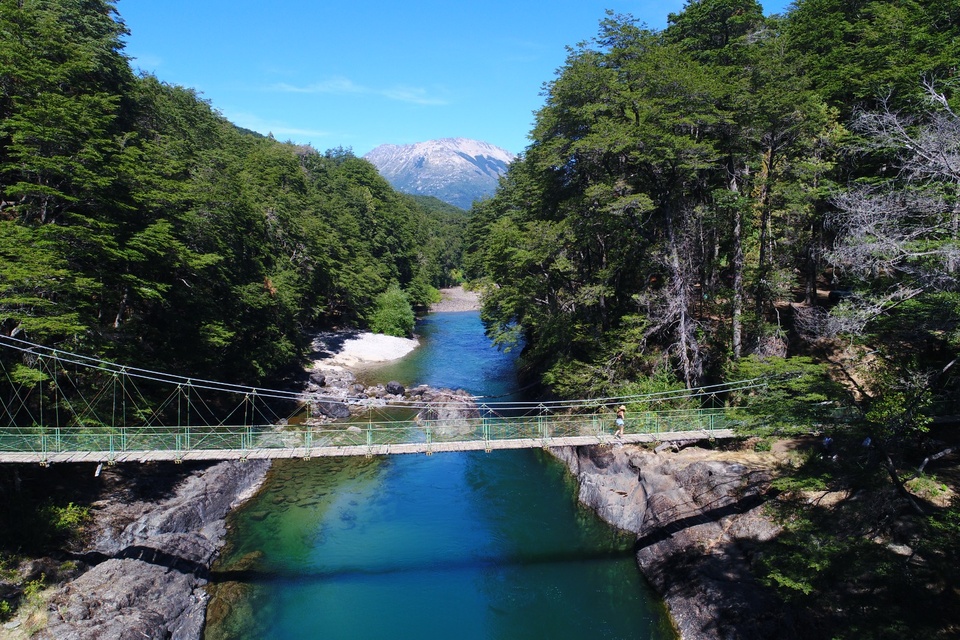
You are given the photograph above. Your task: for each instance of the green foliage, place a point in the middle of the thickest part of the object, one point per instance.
(392, 313)
(137, 222)
(33, 591)
(65, 522)
(814, 473)
(838, 560)
(871, 50)
(37, 527)
(927, 487)
(794, 395)
(763, 445)
(27, 376)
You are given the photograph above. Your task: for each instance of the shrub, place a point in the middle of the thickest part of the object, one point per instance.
(64, 523)
(392, 313)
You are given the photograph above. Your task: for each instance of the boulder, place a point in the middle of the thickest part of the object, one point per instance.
(449, 412)
(331, 409)
(395, 388)
(148, 577)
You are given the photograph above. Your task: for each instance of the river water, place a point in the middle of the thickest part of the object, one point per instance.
(465, 545)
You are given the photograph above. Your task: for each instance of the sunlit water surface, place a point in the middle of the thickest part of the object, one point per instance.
(464, 545)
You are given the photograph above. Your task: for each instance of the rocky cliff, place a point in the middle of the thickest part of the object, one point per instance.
(152, 553)
(698, 518)
(455, 170)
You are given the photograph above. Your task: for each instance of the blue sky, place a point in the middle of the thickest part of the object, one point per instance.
(359, 73)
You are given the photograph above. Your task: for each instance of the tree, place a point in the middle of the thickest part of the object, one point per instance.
(393, 314)
(897, 246)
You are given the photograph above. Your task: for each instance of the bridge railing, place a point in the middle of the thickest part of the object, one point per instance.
(113, 441)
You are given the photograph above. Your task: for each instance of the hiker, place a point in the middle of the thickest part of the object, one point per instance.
(621, 412)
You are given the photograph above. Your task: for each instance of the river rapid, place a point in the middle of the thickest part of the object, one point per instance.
(468, 545)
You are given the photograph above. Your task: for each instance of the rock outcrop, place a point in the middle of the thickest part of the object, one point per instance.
(698, 519)
(151, 558)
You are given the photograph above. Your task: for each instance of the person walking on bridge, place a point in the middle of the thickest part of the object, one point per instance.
(621, 412)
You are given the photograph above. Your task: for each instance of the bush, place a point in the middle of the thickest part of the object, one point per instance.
(65, 522)
(392, 313)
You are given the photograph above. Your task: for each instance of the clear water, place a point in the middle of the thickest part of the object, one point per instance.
(465, 545)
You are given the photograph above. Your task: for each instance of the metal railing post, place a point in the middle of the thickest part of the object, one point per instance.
(485, 427)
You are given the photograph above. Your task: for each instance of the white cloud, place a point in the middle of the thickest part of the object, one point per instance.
(277, 128)
(413, 95)
(345, 86)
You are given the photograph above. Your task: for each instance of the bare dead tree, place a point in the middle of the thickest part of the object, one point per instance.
(671, 311)
(894, 232)
(927, 153)
(905, 231)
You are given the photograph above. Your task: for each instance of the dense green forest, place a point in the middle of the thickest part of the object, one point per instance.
(137, 223)
(692, 194)
(738, 196)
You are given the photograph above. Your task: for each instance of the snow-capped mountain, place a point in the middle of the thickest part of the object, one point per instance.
(455, 170)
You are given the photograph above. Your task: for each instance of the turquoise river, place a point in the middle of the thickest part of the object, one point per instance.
(453, 545)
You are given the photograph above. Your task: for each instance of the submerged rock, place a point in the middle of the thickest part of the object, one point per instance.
(331, 409)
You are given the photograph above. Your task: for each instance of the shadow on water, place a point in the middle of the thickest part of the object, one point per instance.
(267, 577)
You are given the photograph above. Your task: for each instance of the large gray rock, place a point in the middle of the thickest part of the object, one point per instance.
(698, 519)
(449, 412)
(395, 388)
(331, 409)
(151, 561)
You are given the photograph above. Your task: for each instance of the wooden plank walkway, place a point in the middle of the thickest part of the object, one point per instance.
(353, 450)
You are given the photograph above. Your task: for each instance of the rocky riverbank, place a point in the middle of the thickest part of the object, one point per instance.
(155, 530)
(457, 299)
(698, 517)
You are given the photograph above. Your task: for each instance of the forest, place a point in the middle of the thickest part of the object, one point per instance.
(138, 224)
(739, 196)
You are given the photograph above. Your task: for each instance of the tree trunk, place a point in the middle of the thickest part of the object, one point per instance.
(737, 311)
(687, 348)
(763, 267)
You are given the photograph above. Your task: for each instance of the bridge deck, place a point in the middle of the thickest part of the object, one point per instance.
(352, 450)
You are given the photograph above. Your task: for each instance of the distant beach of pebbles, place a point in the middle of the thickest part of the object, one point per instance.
(457, 299)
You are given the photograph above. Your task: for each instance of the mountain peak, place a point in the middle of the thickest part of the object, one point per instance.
(455, 170)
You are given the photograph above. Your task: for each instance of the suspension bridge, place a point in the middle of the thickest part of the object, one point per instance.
(59, 406)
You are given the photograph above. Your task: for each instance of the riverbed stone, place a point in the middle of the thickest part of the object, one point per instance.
(449, 410)
(395, 388)
(331, 409)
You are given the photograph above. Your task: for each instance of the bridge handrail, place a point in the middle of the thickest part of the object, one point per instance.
(49, 440)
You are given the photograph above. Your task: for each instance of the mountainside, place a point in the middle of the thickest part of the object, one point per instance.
(455, 170)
